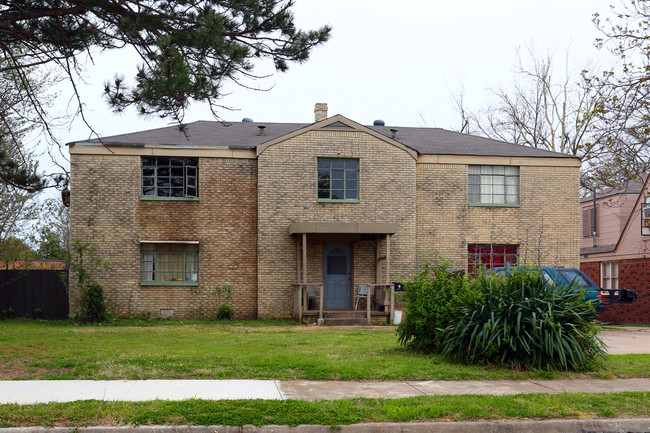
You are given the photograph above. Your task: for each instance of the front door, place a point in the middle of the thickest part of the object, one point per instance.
(336, 276)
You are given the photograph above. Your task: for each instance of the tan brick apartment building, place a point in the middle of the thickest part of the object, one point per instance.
(263, 207)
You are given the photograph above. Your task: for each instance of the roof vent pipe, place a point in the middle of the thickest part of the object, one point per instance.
(261, 129)
(393, 133)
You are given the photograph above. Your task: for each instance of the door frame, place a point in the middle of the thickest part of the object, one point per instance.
(347, 247)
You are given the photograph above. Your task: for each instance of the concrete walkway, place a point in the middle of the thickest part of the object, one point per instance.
(46, 391)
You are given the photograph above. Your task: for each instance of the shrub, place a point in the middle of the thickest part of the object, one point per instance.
(225, 312)
(84, 263)
(521, 322)
(92, 305)
(435, 299)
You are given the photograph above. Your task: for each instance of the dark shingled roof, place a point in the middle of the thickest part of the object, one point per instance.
(598, 249)
(427, 141)
(634, 186)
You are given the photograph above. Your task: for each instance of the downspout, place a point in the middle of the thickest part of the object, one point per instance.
(594, 217)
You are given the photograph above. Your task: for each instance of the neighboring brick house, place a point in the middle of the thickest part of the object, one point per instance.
(619, 256)
(263, 207)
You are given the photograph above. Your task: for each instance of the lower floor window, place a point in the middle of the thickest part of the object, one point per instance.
(169, 263)
(489, 256)
(610, 275)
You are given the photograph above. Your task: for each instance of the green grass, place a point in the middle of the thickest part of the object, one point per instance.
(240, 350)
(339, 412)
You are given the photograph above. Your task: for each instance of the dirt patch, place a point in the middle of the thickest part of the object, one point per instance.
(19, 370)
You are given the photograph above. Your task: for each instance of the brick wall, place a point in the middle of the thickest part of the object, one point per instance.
(246, 206)
(632, 274)
(288, 193)
(106, 210)
(544, 226)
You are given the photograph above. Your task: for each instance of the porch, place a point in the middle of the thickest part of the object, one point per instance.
(343, 273)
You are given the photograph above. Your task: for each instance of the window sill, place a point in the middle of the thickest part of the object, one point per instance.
(152, 198)
(170, 283)
(323, 200)
(494, 205)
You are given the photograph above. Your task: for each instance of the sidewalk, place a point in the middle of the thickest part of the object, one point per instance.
(46, 391)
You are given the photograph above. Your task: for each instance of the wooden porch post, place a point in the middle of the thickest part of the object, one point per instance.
(368, 302)
(300, 293)
(298, 260)
(304, 258)
(392, 292)
(387, 258)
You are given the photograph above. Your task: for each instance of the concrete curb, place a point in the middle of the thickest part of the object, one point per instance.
(623, 425)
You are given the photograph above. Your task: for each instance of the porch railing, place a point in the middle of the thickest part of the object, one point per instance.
(304, 292)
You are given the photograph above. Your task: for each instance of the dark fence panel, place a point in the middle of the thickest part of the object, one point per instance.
(37, 294)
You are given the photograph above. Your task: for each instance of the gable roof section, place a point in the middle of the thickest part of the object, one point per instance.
(238, 135)
(640, 188)
(337, 123)
(437, 141)
(247, 135)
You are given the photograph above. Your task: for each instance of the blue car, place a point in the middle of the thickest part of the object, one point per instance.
(557, 276)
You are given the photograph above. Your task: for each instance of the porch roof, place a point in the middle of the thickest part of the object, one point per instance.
(357, 228)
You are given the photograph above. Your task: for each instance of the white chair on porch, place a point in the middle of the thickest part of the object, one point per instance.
(362, 292)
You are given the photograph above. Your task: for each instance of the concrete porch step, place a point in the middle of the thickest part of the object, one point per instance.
(345, 318)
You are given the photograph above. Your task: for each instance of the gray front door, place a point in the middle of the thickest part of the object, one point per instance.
(336, 276)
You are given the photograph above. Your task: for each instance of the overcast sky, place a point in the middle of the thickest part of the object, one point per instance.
(397, 61)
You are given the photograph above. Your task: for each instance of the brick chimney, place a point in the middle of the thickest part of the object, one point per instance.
(320, 111)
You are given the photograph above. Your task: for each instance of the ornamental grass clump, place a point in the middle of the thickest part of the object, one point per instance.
(524, 323)
(435, 299)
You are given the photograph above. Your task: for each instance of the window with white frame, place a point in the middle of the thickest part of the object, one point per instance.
(609, 275)
(493, 185)
(645, 217)
(174, 263)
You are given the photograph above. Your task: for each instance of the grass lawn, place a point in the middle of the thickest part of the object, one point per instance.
(244, 350)
(295, 412)
(273, 350)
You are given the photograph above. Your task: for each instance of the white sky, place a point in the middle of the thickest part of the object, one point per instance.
(396, 61)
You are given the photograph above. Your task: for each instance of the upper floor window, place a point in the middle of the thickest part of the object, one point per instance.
(589, 222)
(338, 179)
(493, 185)
(489, 256)
(169, 264)
(170, 178)
(645, 217)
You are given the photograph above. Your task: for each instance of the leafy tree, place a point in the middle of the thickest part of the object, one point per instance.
(188, 48)
(17, 205)
(53, 231)
(626, 112)
(13, 248)
(18, 169)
